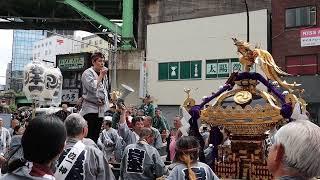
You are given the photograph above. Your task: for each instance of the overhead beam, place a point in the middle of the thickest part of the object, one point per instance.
(45, 18)
(94, 16)
(127, 26)
(48, 25)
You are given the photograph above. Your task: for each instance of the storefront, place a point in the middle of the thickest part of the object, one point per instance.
(72, 67)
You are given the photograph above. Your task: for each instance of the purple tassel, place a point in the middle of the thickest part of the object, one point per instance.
(286, 110)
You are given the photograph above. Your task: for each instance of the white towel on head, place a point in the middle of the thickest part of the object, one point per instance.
(298, 113)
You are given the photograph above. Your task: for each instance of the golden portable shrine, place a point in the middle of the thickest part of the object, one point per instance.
(248, 112)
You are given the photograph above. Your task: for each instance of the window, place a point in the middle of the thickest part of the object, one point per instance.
(82, 45)
(302, 65)
(95, 42)
(303, 16)
(50, 43)
(89, 41)
(100, 41)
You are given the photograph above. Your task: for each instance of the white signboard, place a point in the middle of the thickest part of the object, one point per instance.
(70, 95)
(143, 79)
(310, 37)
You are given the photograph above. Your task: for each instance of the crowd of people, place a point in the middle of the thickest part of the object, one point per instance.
(88, 144)
(49, 147)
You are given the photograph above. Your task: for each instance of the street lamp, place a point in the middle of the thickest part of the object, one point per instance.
(248, 31)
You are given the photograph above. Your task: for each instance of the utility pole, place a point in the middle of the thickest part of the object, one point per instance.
(114, 83)
(248, 28)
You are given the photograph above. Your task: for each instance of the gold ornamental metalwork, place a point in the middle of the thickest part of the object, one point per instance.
(250, 120)
(188, 102)
(242, 97)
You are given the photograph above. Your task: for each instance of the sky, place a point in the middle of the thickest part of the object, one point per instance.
(6, 37)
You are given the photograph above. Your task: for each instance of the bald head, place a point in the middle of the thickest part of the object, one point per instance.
(64, 107)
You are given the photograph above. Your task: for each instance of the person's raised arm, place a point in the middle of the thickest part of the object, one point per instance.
(123, 129)
(91, 83)
(123, 111)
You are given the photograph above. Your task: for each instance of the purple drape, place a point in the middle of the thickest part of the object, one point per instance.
(286, 109)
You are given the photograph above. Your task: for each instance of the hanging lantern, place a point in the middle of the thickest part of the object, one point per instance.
(53, 86)
(34, 80)
(56, 100)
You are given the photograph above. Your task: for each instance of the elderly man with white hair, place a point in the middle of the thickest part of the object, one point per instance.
(295, 153)
(80, 161)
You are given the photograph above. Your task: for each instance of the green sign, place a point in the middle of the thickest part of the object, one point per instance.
(71, 62)
(236, 66)
(196, 69)
(185, 68)
(163, 73)
(211, 69)
(174, 70)
(223, 68)
(180, 70)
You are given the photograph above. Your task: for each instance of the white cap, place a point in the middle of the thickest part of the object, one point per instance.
(107, 118)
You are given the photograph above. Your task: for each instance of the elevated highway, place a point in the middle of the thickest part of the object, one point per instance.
(94, 16)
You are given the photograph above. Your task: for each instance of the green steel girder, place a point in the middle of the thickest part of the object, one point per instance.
(127, 25)
(126, 31)
(94, 16)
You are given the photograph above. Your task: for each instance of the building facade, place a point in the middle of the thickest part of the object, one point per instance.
(153, 12)
(198, 54)
(8, 76)
(296, 46)
(46, 49)
(72, 67)
(22, 46)
(94, 44)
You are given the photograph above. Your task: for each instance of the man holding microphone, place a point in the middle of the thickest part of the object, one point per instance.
(95, 95)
